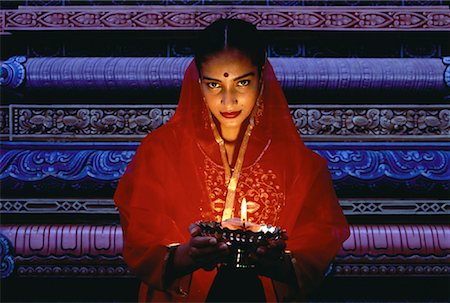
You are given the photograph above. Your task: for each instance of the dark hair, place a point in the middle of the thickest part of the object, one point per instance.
(232, 34)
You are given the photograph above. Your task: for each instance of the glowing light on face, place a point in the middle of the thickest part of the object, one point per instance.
(230, 85)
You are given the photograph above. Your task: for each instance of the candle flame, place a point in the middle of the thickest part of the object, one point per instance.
(244, 211)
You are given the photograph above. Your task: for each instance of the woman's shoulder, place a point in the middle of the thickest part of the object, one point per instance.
(164, 138)
(307, 161)
(313, 158)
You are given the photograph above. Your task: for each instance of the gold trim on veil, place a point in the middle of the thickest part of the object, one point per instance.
(232, 179)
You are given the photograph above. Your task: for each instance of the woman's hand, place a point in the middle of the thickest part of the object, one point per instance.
(206, 251)
(273, 251)
(270, 259)
(199, 252)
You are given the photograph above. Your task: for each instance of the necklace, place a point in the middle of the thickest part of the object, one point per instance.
(232, 174)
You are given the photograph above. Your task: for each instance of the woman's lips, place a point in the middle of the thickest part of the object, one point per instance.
(230, 115)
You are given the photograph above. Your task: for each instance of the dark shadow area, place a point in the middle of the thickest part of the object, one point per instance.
(382, 289)
(69, 290)
(334, 289)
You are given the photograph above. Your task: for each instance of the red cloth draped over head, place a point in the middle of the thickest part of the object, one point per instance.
(177, 178)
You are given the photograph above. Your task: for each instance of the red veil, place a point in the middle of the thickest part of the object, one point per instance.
(177, 178)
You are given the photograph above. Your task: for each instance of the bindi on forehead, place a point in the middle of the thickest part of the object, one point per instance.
(225, 75)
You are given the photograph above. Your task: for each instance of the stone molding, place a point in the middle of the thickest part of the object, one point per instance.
(78, 122)
(61, 240)
(351, 207)
(88, 250)
(393, 239)
(394, 207)
(75, 271)
(337, 270)
(373, 168)
(58, 206)
(330, 18)
(146, 74)
(391, 270)
(107, 161)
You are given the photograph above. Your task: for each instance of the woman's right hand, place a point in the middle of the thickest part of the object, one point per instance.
(200, 252)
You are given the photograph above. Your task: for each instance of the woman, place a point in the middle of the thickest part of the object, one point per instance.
(232, 137)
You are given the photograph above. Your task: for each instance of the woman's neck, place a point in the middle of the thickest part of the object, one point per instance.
(230, 135)
(232, 139)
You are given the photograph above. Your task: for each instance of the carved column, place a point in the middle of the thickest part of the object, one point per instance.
(295, 74)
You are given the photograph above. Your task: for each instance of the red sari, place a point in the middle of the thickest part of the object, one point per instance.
(177, 178)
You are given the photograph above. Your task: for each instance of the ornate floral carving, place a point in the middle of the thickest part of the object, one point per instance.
(383, 170)
(396, 164)
(67, 164)
(89, 122)
(317, 122)
(366, 163)
(387, 121)
(183, 17)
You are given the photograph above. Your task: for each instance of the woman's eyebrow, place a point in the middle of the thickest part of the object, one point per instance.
(243, 76)
(237, 78)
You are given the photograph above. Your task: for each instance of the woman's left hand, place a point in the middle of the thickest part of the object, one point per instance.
(273, 251)
(269, 258)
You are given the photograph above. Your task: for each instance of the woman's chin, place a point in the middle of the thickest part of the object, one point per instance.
(230, 123)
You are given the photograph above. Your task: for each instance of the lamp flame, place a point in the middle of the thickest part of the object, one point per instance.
(244, 211)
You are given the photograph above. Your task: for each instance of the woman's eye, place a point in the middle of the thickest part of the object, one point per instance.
(213, 85)
(243, 82)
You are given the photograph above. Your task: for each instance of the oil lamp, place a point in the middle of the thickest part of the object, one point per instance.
(241, 236)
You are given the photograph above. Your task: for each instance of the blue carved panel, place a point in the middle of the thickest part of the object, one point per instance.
(358, 169)
(68, 165)
(395, 164)
(6, 257)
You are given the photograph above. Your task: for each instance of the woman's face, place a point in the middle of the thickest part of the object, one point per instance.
(230, 85)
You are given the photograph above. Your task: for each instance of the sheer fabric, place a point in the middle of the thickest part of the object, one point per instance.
(177, 178)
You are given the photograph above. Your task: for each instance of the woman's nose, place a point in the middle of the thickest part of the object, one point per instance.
(229, 97)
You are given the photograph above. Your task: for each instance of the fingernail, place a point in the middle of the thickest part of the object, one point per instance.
(212, 241)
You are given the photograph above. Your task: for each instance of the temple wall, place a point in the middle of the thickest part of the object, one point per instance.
(82, 82)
